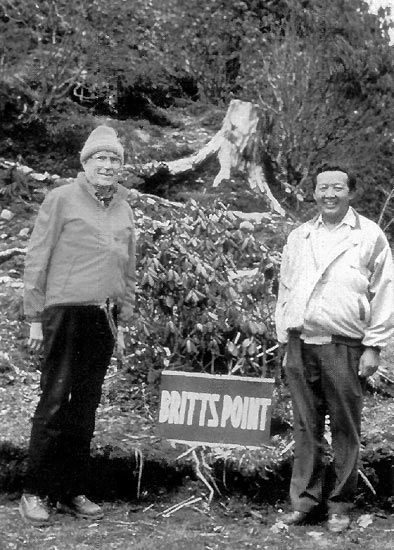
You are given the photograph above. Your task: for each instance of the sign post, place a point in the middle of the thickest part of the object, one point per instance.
(223, 410)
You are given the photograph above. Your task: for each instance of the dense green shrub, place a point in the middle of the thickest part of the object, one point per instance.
(199, 306)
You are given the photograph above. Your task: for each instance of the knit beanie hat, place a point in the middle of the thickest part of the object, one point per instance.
(103, 138)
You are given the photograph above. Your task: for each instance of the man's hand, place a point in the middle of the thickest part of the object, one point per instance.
(35, 337)
(369, 362)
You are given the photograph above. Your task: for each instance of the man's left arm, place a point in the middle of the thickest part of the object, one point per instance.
(381, 324)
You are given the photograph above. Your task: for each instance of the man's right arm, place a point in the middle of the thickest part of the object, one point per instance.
(42, 242)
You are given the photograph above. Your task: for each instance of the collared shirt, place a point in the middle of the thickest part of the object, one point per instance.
(105, 193)
(323, 239)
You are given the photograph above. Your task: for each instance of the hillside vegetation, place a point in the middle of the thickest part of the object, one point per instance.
(321, 73)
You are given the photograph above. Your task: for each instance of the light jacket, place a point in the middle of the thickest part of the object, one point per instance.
(81, 252)
(351, 293)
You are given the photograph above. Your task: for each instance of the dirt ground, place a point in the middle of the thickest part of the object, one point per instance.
(229, 523)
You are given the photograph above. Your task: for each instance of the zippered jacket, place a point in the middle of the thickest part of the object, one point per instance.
(81, 252)
(351, 294)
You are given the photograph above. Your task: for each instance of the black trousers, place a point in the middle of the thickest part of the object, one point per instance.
(78, 345)
(323, 379)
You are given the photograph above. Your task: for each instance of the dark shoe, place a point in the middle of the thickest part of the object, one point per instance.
(81, 507)
(338, 523)
(34, 510)
(295, 518)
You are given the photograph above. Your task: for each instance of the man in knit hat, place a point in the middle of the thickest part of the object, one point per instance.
(79, 281)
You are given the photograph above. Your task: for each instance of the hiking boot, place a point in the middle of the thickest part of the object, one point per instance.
(337, 523)
(81, 507)
(295, 518)
(34, 510)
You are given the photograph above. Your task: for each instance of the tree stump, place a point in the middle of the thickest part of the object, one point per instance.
(237, 146)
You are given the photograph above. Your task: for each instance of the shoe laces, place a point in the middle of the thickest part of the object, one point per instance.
(81, 499)
(36, 500)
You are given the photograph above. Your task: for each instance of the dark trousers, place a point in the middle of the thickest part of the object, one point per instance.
(323, 379)
(78, 345)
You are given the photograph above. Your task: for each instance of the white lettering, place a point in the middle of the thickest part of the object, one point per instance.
(236, 411)
(204, 400)
(192, 398)
(164, 406)
(214, 421)
(263, 418)
(245, 413)
(226, 410)
(253, 413)
(173, 417)
(182, 410)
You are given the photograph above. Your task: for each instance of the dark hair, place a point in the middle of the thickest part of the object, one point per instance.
(333, 167)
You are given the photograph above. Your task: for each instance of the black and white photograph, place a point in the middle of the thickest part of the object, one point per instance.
(196, 274)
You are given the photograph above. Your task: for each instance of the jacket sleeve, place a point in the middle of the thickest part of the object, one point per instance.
(380, 327)
(280, 317)
(127, 306)
(45, 235)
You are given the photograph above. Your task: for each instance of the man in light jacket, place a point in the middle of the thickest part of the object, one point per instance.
(334, 314)
(79, 281)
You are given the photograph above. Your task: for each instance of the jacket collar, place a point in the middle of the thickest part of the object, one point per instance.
(82, 182)
(348, 219)
(352, 219)
(352, 236)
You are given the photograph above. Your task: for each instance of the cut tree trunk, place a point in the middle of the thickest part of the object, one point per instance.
(236, 146)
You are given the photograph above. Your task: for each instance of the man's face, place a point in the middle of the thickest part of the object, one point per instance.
(102, 168)
(332, 195)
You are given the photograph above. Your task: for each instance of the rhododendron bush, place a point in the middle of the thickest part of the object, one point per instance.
(205, 291)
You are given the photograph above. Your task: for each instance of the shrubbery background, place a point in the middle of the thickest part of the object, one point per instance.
(207, 287)
(321, 72)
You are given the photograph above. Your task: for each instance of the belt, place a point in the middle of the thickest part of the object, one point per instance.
(332, 339)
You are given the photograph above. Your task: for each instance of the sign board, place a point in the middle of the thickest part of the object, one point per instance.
(212, 410)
